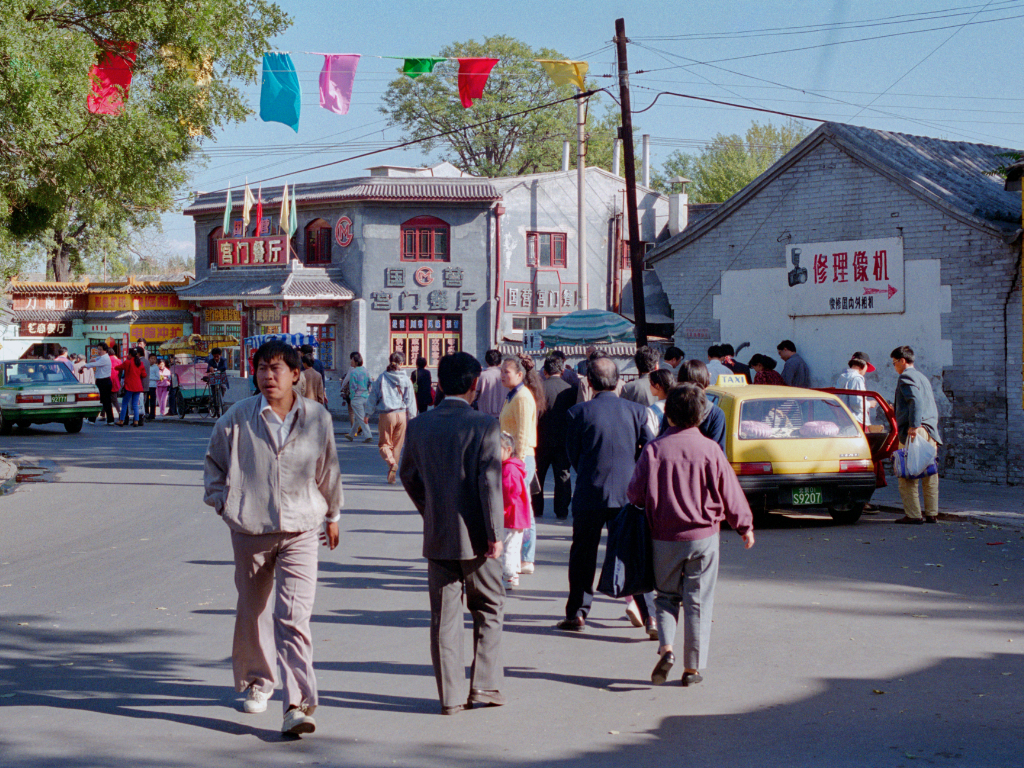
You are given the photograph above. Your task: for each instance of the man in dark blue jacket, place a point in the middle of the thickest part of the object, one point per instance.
(602, 436)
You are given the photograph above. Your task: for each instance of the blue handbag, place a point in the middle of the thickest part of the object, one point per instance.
(629, 557)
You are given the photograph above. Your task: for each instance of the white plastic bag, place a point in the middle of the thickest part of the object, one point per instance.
(920, 453)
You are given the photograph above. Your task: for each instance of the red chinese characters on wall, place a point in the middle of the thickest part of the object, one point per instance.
(252, 252)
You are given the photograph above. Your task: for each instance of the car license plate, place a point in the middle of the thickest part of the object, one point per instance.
(58, 398)
(806, 496)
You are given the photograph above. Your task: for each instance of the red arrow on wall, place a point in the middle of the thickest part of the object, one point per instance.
(891, 291)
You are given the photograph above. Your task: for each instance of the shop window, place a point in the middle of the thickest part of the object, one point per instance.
(211, 246)
(325, 335)
(429, 336)
(318, 242)
(545, 249)
(529, 322)
(425, 238)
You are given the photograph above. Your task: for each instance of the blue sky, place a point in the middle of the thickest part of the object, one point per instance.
(942, 69)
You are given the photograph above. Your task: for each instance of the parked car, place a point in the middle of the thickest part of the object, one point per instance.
(43, 392)
(798, 448)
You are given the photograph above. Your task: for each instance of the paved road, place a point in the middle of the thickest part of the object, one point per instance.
(870, 645)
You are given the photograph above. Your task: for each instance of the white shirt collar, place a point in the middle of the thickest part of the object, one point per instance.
(279, 428)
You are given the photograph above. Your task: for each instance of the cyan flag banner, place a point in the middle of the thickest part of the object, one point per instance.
(280, 97)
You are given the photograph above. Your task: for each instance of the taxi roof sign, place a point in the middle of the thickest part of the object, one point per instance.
(731, 380)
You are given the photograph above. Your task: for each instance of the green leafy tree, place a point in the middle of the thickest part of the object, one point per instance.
(514, 146)
(79, 184)
(729, 163)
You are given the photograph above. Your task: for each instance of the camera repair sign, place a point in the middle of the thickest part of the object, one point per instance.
(848, 277)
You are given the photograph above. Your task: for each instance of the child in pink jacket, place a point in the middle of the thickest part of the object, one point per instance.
(517, 509)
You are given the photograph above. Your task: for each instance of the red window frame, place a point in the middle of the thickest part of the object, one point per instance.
(426, 238)
(319, 235)
(211, 245)
(546, 249)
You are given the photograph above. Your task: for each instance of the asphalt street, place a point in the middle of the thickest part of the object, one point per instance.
(864, 645)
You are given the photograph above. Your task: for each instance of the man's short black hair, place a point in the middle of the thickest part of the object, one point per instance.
(557, 353)
(456, 372)
(307, 360)
(786, 344)
(553, 366)
(694, 372)
(356, 358)
(216, 351)
(277, 350)
(646, 359)
(685, 405)
(492, 357)
(306, 349)
(714, 351)
(726, 350)
(603, 374)
(662, 378)
(673, 353)
(857, 362)
(904, 353)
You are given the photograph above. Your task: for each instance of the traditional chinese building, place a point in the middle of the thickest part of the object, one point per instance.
(426, 261)
(864, 240)
(51, 315)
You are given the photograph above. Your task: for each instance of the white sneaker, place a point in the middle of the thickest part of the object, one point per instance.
(526, 569)
(513, 582)
(255, 700)
(296, 721)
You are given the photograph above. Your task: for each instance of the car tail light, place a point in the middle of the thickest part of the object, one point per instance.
(753, 468)
(87, 396)
(857, 465)
(28, 399)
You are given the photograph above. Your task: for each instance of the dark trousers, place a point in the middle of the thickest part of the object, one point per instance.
(558, 461)
(151, 403)
(172, 401)
(480, 580)
(586, 539)
(106, 387)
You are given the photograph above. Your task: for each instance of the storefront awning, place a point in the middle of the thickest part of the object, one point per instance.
(255, 284)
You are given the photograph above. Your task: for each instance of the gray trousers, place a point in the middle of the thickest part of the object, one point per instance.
(485, 598)
(686, 572)
(261, 634)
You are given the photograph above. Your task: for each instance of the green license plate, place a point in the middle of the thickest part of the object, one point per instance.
(58, 398)
(806, 496)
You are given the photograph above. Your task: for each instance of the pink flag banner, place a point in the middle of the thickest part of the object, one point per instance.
(473, 74)
(336, 80)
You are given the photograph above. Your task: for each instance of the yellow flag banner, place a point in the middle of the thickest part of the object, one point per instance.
(201, 73)
(565, 72)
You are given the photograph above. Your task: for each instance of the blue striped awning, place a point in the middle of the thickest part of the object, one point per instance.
(293, 339)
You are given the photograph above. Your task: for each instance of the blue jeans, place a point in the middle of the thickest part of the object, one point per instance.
(530, 536)
(130, 399)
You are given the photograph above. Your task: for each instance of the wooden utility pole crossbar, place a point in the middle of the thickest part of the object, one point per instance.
(636, 255)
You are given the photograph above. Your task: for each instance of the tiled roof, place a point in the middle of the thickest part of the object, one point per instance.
(140, 316)
(135, 288)
(258, 284)
(374, 188)
(612, 350)
(697, 211)
(955, 176)
(48, 315)
(62, 289)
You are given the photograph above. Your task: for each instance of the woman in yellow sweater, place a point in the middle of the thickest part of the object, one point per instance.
(519, 418)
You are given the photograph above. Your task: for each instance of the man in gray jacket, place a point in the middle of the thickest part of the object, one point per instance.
(917, 418)
(451, 470)
(272, 473)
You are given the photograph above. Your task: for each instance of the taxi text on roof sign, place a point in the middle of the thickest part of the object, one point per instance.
(731, 380)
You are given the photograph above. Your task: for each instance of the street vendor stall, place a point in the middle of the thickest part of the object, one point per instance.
(197, 388)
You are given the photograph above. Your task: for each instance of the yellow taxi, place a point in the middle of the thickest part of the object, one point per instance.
(797, 449)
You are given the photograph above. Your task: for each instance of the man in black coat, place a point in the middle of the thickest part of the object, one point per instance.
(602, 436)
(560, 396)
(451, 469)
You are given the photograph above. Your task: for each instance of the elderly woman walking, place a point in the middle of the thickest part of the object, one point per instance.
(687, 487)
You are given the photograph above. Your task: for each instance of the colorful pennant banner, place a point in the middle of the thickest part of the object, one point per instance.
(565, 72)
(110, 80)
(336, 79)
(473, 74)
(280, 97)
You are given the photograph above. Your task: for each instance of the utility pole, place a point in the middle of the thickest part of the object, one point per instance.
(581, 199)
(636, 256)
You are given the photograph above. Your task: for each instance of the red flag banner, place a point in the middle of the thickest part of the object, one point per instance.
(473, 74)
(112, 75)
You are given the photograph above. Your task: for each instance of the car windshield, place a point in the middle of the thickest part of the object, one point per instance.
(794, 417)
(26, 372)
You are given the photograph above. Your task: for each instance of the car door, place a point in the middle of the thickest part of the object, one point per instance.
(878, 420)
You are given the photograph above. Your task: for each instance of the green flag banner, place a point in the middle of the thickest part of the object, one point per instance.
(416, 67)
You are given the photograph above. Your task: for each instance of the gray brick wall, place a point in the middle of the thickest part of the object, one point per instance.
(829, 196)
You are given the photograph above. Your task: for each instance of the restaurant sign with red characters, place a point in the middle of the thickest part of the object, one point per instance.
(252, 252)
(846, 277)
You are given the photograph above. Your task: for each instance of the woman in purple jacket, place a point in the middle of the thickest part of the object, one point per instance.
(687, 487)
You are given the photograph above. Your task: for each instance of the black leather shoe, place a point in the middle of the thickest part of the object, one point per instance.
(910, 521)
(490, 698)
(931, 519)
(575, 624)
(691, 678)
(662, 668)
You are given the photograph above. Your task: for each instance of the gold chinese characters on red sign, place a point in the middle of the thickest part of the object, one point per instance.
(252, 251)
